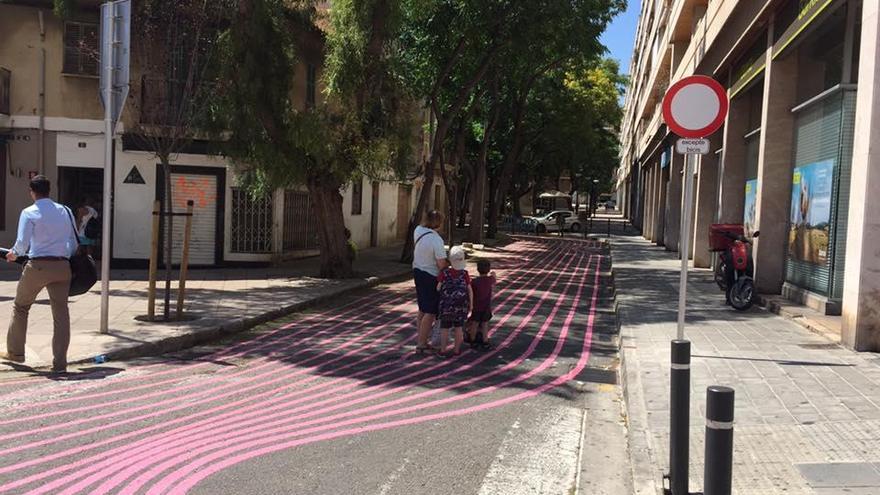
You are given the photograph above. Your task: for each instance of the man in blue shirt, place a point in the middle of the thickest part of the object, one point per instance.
(46, 235)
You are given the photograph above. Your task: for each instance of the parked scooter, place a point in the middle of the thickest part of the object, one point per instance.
(734, 272)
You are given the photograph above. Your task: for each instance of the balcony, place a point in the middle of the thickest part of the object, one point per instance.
(5, 86)
(161, 101)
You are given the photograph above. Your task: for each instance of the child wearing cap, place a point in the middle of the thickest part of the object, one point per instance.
(456, 300)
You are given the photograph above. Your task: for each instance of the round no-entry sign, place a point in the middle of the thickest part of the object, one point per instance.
(695, 107)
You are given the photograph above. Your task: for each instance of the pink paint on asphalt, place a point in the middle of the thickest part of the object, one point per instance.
(187, 482)
(115, 459)
(211, 430)
(23, 466)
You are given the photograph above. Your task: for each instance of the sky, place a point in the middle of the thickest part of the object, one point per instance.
(620, 35)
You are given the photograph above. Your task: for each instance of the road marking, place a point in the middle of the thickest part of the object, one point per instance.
(539, 458)
(393, 477)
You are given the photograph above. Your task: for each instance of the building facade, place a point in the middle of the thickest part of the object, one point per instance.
(793, 159)
(51, 123)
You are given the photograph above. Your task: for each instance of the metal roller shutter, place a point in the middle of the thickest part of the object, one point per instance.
(202, 189)
(841, 194)
(818, 138)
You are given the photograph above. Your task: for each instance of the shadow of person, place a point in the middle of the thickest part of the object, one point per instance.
(90, 373)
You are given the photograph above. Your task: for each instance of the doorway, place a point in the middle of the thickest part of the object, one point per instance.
(77, 186)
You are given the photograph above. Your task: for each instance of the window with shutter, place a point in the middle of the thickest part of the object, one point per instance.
(81, 48)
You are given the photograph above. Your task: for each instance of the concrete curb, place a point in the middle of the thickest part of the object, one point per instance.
(773, 306)
(205, 335)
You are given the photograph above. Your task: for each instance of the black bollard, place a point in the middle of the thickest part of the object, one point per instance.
(718, 470)
(679, 416)
(609, 228)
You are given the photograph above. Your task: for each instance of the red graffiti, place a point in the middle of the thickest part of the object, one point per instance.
(201, 190)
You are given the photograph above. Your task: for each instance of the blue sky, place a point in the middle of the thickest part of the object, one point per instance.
(621, 34)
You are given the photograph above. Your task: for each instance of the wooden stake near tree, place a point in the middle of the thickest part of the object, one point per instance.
(184, 259)
(154, 261)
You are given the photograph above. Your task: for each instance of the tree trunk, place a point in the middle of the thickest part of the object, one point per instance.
(463, 203)
(169, 234)
(478, 201)
(406, 256)
(327, 208)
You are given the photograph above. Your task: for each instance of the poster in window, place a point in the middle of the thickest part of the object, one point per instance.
(750, 217)
(811, 212)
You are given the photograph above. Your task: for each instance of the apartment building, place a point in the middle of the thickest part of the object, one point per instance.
(51, 123)
(793, 159)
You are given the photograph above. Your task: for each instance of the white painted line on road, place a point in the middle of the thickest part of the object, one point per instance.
(393, 477)
(538, 456)
(580, 461)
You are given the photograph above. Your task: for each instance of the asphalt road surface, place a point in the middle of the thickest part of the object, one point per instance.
(335, 401)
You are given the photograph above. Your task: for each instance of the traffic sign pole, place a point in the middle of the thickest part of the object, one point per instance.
(107, 39)
(115, 50)
(684, 243)
(693, 108)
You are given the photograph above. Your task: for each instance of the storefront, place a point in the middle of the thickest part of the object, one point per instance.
(824, 120)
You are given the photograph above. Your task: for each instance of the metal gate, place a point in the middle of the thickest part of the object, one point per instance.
(300, 227)
(202, 190)
(251, 223)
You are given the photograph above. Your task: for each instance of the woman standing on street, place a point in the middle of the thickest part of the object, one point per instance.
(429, 258)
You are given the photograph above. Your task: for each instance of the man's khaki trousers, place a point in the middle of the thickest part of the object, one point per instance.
(54, 276)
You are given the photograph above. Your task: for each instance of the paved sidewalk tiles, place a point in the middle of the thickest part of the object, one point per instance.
(807, 410)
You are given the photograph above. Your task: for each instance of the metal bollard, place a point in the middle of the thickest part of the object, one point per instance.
(718, 470)
(609, 228)
(679, 416)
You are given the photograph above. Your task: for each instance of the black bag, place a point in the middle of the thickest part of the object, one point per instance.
(93, 228)
(84, 273)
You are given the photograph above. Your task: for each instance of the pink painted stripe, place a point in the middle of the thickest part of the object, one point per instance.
(189, 482)
(354, 311)
(211, 430)
(281, 435)
(76, 451)
(356, 305)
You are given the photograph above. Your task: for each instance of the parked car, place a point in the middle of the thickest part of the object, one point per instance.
(610, 204)
(550, 222)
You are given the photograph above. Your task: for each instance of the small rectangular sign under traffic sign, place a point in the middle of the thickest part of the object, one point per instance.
(692, 146)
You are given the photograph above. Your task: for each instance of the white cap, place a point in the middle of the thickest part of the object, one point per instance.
(457, 258)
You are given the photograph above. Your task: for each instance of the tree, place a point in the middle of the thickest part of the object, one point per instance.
(448, 47)
(173, 49)
(569, 32)
(360, 129)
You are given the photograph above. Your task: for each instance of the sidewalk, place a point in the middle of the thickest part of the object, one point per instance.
(807, 410)
(223, 300)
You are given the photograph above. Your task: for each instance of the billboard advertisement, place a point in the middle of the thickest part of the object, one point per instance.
(810, 233)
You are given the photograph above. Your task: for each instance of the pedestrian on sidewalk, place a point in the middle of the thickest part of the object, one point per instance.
(429, 258)
(88, 227)
(46, 234)
(456, 300)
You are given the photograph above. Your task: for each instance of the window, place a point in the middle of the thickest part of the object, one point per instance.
(311, 85)
(357, 197)
(252, 221)
(80, 48)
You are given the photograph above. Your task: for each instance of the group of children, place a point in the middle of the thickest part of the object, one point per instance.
(464, 302)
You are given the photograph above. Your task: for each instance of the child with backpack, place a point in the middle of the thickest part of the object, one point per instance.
(478, 323)
(456, 300)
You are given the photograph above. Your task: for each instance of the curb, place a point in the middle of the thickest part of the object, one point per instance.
(770, 305)
(202, 336)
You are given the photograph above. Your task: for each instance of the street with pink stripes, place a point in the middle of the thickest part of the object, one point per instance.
(335, 400)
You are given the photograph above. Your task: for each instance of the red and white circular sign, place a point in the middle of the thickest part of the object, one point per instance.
(695, 107)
